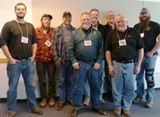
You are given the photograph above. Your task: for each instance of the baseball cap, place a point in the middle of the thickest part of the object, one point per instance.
(67, 13)
(46, 15)
(144, 10)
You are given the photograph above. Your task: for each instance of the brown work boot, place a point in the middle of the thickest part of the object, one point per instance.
(117, 112)
(99, 111)
(43, 103)
(36, 110)
(126, 113)
(51, 102)
(74, 113)
(11, 114)
(60, 106)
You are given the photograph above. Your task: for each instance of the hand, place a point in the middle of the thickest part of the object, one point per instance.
(137, 69)
(96, 66)
(149, 54)
(32, 58)
(58, 63)
(75, 65)
(12, 61)
(111, 70)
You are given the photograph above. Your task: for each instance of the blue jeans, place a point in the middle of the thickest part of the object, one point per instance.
(147, 66)
(26, 68)
(86, 90)
(123, 85)
(65, 82)
(102, 80)
(86, 71)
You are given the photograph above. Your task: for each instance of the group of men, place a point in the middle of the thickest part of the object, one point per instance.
(90, 55)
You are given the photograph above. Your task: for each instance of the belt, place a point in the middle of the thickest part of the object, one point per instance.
(124, 61)
(84, 60)
(28, 59)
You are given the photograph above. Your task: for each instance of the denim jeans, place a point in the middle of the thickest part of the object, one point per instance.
(102, 80)
(43, 69)
(86, 90)
(27, 69)
(65, 82)
(147, 66)
(123, 85)
(84, 72)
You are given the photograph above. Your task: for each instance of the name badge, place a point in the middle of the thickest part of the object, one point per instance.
(142, 35)
(48, 43)
(87, 42)
(24, 39)
(122, 42)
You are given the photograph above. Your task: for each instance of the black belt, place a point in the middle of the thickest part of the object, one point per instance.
(124, 61)
(84, 60)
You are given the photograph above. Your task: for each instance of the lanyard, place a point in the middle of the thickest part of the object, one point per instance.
(21, 29)
(84, 37)
(143, 28)
(119, 37)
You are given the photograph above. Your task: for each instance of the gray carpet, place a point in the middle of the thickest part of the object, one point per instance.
(137, 110)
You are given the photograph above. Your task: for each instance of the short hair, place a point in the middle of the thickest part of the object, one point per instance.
(94, 9)
(19, 4)
(121, 16)
(110, 11)
(85, 13)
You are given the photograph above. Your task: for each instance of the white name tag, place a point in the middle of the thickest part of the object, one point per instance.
(24, 39)
(48, 43)
(142, 35)
(87, 42)
(122, 42)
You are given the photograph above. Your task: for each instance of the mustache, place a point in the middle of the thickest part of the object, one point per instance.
(144, 20)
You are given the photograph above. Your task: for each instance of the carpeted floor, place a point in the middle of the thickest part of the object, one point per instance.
(137, 110)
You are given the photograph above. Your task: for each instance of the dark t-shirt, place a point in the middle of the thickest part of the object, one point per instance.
(150, 34)
(126, 52)
(108, 29)
(101, 28)
(11, 35)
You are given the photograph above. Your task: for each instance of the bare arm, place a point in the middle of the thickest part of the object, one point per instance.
(109, 61)
(108, 58)
(7, 54)
(34, 50)
(139, 60)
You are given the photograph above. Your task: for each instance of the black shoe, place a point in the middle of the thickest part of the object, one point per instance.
(74, 113)
(99, 111)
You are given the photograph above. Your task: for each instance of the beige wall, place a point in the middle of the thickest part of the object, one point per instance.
(129, 8)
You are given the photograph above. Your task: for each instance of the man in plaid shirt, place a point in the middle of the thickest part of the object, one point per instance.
(45, 62)
(63, 66)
